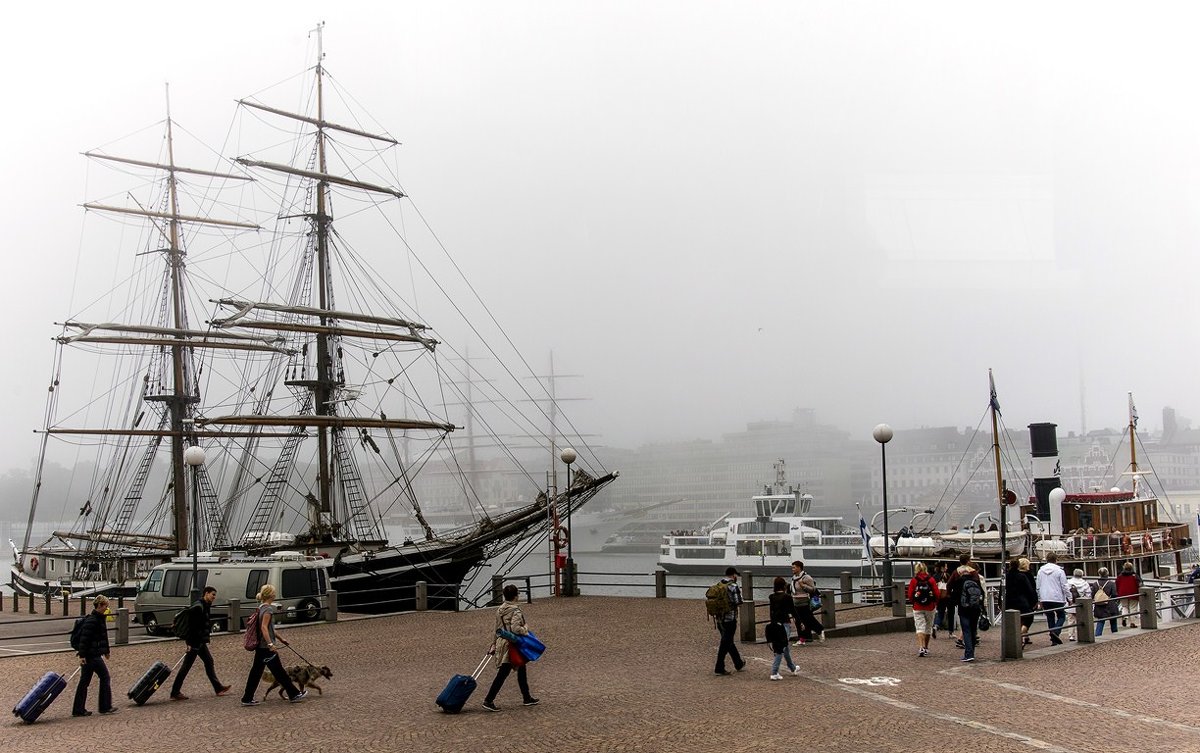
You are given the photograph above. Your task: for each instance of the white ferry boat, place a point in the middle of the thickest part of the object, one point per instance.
(780, 531)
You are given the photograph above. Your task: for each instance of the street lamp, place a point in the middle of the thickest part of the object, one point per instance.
(883, 435)
(194, 456)
(568, 456)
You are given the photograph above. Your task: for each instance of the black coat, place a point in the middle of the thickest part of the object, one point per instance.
(93, 636)
(1021, 591)
(198, 619)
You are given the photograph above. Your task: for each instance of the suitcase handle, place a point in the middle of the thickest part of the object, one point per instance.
(479, 670)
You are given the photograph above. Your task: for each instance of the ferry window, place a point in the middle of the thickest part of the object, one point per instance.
(299, 581)
(51, 565)
(701, 554)
(254, 581)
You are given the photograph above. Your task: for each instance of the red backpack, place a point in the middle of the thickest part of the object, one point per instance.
(251, 637)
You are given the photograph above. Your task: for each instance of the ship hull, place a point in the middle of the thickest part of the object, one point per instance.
(386, 580)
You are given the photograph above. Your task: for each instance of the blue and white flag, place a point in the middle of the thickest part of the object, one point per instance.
(1133, 416)
(866, 537)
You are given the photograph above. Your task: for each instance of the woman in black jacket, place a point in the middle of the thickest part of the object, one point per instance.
(783, 614)
(1021, 593)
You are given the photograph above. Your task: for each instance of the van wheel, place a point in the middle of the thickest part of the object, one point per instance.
(151, 625)
(216, 626)
(308, 610)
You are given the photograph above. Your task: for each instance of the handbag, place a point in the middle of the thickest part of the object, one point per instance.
(530, 646)
(984, 623)
(814, 602)
(514, 656)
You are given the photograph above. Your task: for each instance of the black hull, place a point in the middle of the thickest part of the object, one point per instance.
(386, 581)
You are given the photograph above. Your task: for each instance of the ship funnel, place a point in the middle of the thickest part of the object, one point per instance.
(1043, 445)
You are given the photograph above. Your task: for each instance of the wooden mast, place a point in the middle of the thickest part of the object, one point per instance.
(322, 389)
(1133, 468)
(177, 404)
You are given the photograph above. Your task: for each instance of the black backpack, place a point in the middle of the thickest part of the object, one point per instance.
(923, 592)
(182, 622)
(77, 634)
(972, 595)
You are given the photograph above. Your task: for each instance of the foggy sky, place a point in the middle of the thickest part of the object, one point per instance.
(713, 212)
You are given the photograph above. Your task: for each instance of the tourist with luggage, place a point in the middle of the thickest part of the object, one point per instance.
(804, 588)
(966, 589)
(261, 638)
(726, 621)
(779, 628)
(923, 593)
(196, 635)
(1104, 602)
(1054, 595)
(1021, 594)
(509, 618)
(90, 641)
(1128, 585)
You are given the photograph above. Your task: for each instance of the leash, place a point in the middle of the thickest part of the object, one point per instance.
(297, 653)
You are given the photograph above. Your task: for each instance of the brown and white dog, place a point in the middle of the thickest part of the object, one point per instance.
(302, 676)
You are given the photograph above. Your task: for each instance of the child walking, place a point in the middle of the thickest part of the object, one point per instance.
(783, 614)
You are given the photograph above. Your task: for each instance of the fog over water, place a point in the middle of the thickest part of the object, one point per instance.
(713, 212)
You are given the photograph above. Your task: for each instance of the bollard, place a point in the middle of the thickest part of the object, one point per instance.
(746, 615)
(498, 591)
(331, 610)
(1085, 621)
(16, 603)
(66, 598)
(234, 623)
(31, 602)
(847, 587)
(122, 626)
(121, 601)
(46, 609)
(82, 605)
(422, 596)
(1, 601)
(748, 586)
(660, 584)
(897, 597)
(1013, 647)
(571, 578)
(828, 609)
(1196, 600)
(1147, 605)
(528, 591)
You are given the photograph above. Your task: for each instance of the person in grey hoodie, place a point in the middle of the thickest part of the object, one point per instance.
(1054, 594)
(509, 617)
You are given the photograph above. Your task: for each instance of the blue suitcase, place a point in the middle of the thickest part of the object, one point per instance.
(459, 689)
(39, 699)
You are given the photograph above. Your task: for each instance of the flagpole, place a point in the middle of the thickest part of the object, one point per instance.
(994, 406)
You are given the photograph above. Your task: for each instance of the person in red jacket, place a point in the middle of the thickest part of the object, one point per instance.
(923, 593)
(1128, 583)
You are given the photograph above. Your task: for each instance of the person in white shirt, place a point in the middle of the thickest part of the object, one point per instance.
(1078, 588)
(1054, 594)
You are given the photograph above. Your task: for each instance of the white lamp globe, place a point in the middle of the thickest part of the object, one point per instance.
(194, 455)
(567, 455)
(882, 433)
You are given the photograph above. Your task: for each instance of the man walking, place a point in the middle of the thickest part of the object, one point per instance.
(966, 590)
(1053, 593)
(196, 637)
(727, 625)
(803, 588)
(92, 647)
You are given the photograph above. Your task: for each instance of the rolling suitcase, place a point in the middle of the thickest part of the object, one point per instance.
(43, 694)
(459, 689)
(149, 682)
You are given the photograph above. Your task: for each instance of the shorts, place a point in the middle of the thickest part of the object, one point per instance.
(924, 620)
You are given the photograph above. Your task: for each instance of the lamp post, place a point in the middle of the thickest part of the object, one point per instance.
(883, 435)
(568, 456)
(194, 456)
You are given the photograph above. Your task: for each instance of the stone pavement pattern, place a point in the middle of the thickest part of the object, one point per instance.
(636, 675)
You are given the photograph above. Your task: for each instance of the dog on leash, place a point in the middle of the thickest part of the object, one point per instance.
(302, 676)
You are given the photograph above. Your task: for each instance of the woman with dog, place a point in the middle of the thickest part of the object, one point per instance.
(265, 654)
(508, 617)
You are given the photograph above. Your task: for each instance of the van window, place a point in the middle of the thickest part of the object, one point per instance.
(256, 580)
(154, 582)
(300, 581)
(179, 582)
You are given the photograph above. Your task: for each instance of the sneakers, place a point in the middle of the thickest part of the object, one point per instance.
(489, 706)
(299, 696)
(179, 697)
(776, 676)
(251, 702)
(224, 689)
(821, 636)
(796, 671)
(113, 710)
(799, 642)
(81, 713)
(1071, 638)
(721, 672)
(935, 632)
(968, 659)
(923, 652)
(740, 667)
(530, 702)
(959, 644)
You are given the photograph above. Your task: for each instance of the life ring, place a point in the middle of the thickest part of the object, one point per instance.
(561, 538)
(33, 563)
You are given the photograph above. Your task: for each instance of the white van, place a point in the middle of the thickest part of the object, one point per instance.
(301, 583)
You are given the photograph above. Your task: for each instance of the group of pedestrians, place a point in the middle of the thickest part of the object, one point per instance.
(92, 648)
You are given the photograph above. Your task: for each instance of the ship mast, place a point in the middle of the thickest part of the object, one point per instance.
(322, 389)
(1133, 468)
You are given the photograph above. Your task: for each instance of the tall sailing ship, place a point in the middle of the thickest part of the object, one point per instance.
(318, 395)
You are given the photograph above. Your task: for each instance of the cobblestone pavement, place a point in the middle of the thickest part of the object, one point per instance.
(637, 675)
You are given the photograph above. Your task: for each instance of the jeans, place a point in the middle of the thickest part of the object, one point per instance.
(266, 658)
(209, 669)
(968, 622)
(944, 619)
(502, 675)
(728, 630)
(1112, 625)
(787, 653)
(1055, 617)
(93, 666)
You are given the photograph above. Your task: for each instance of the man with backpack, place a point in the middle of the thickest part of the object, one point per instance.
(1054, 594)
(966, 590)
(89, 638)
(804, 588)
(923, 593)
(722, 601)
(191, 625)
